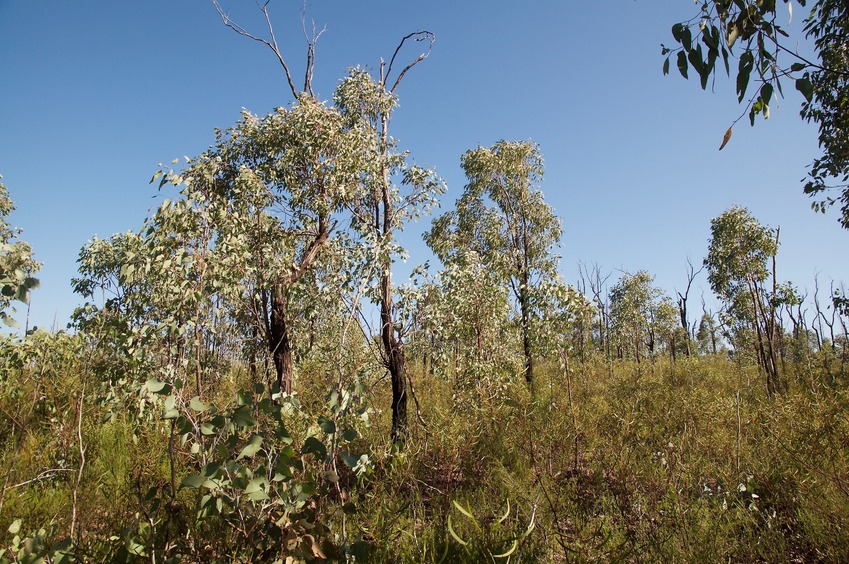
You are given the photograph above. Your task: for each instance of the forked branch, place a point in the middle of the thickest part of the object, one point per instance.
(272, 44)
(415, 36)
(311, 39)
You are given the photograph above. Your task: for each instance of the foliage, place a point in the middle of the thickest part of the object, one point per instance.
(461, 320)
(739, 252)
(738, 267)
(505, 221)
(16, 263)
(641, 317)
(394, 192)
(684, 461)
(771, 55)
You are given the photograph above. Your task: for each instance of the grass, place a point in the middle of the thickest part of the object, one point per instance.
(648, 462)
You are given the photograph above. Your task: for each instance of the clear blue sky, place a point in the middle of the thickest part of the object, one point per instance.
(95, 94)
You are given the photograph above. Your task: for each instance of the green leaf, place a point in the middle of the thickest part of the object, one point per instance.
(315, 447)
(510, 551)
(742, 84)
(695, 58)
(676, 31)
(192, 481)
(796, 67)
(506, 513)
(198, 405)
(256, 489)
(454, 534)
(686, 37)
(766, 92)
(682, 63)
(349, 459)
(804, 86)
(327, 425)
(170, 410)
(156, 387)
(253, 446)
(15, 527)
(462, 510)
(666, 66)
(744, 69)
(242, 416)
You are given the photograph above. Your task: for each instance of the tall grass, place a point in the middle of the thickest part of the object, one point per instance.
(688, 461)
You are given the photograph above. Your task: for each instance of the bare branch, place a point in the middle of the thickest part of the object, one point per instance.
(311, 40)
(48, 474)
(417, 36)
(227, 21)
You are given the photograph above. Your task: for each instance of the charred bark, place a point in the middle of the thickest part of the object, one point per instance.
(279, 342)
(394, 359)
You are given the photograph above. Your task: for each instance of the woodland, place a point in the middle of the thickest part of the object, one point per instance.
(247, 382)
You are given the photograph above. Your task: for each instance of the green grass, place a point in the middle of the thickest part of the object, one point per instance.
(656, 462)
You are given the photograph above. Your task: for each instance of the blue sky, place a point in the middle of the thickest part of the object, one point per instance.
(95, 94)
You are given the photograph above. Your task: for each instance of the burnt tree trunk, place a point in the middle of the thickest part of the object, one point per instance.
(394, 358)
(279, 342)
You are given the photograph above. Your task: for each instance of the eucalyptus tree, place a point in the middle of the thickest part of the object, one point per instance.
(391, 190)
(566, 319)
(16, 262)
(682, 305)
(254, 214)
(664, 334)
(772, 55)
(633, 301)
(503, 217)
(708, 335)
(464, 314)
(738, 264)
(593, 284)
(566, 314)
(285, 178)
(162, 290)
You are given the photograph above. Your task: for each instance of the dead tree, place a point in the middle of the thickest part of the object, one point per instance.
(682, 303)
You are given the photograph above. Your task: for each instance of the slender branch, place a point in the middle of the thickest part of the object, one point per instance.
(311, 40)
(44, 475)
(227, 21)
(82, 450)
(418, 407)
(418, 36)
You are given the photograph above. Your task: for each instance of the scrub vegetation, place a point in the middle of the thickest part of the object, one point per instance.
(245, 380)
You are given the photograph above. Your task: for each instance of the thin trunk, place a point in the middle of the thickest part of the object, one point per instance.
(564, 355)
(281, 349)
(394, 359)
(764, 353)
(524, 305)
(392, 347)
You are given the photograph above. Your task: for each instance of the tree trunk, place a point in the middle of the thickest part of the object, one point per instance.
(394, 358)
(524, 305)
(281, 349)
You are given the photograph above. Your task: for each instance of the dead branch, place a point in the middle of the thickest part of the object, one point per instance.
(311, 40)
(227, 21)
(416, 36)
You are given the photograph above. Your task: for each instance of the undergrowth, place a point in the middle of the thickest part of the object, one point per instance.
(684, 461)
